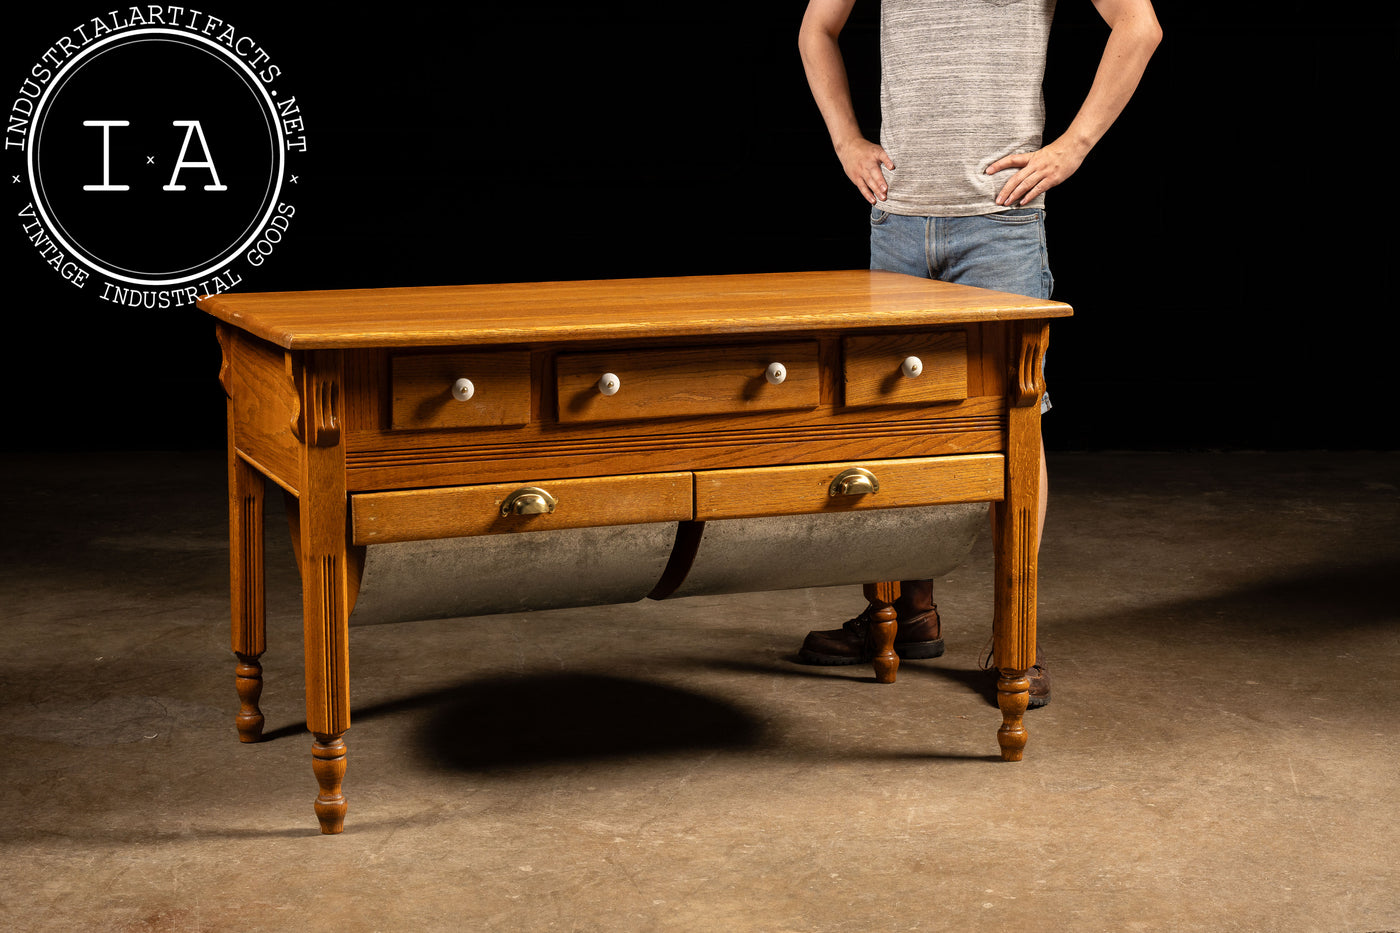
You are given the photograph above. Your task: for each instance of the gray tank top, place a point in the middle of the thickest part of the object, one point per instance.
(960, 87)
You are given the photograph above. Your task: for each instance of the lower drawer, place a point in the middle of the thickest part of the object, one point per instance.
(871, 484)
(458, 511)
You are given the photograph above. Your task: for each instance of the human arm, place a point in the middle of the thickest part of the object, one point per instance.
(826, 75)
(1133, 36)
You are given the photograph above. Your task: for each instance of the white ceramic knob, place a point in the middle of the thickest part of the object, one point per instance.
(912, 367)
(609, 384)
(775, 374)
(463, 389)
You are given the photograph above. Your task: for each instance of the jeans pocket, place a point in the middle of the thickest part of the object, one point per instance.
(1019, 215)
(878, 216)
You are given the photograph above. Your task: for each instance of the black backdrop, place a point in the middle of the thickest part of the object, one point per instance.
(1228, 247)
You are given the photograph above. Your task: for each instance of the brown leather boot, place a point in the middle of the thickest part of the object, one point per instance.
(918, 634)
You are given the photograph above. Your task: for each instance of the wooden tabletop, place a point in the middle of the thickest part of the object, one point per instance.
(554, 312)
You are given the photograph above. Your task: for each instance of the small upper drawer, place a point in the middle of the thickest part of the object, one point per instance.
(459, 390)
(633, 384)
(899, 369)
(503, 508)
(843, 487)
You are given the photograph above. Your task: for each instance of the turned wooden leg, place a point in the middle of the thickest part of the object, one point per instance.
(324, 558)
(327, 676)
(883, 628)
(1013, 696)
(248, 681)
(328, 763)
(1016, 537)
(247, 592)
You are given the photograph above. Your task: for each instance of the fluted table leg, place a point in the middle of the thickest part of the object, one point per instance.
(323, 555)
(247, 592)
(1016, 536)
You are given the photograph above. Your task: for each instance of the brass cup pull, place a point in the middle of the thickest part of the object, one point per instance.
(528, 500)
(857, 481)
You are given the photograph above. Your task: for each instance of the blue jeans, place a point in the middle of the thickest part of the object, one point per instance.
(1003, 251)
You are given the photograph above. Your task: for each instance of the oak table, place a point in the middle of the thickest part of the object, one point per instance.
(414, 413)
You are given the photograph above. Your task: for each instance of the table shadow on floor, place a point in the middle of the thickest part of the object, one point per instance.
(539, 719)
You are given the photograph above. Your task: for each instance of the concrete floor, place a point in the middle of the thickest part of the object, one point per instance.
(1220, 753)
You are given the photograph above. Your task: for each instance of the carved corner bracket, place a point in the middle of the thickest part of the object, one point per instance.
(221, 333)
(1029, 343)
(316, 419)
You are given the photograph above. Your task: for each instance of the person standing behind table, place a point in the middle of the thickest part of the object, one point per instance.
(957, 182)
